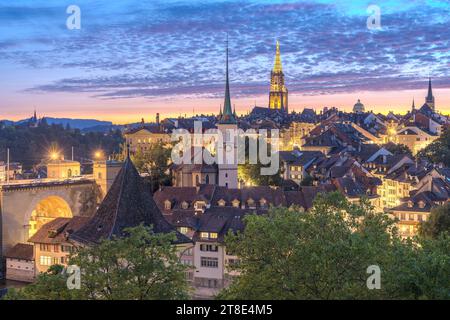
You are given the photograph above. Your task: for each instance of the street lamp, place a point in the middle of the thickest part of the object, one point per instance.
(98, 154)
(54, 155)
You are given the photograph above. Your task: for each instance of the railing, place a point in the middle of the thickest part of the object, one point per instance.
(45, 181)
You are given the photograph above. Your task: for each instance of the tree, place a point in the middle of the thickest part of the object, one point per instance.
(437, 223)
(307, 181)
(397, 148)
(154, 162)
(251, 173)
(325, 253)
(141, 266)
(439, 150)
(50, 285)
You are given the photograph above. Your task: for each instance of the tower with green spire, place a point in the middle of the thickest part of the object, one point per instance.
(227, 127)
(278, 96)
(227, 116)
(429, 100)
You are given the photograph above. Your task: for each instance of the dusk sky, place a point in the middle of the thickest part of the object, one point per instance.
(131, 59)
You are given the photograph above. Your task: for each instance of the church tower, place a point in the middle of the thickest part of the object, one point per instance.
(278, 97)
(228, 164)
(429, 100)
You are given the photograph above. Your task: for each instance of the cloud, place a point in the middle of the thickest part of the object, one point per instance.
(172, 48)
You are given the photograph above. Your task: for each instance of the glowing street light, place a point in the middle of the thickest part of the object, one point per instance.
(54, 155)
(98, 154)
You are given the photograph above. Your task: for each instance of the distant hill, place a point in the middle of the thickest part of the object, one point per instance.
(81, 124)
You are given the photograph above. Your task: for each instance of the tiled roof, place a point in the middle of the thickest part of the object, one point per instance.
(127, 204)
(58, 230)
(20, 251)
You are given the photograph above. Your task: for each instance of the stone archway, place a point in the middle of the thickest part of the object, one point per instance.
(47, 210)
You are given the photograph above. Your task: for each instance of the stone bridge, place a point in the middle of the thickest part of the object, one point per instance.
(21, 200)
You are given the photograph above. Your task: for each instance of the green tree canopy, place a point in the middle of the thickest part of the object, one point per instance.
(141, 266)
(439, 150)
(154, 162)
(325, 252)
(437, 223)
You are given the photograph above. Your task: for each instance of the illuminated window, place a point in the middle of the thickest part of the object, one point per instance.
(184, 230)
(213, 235)
(45, 261)
(221, 203)
(167, 205)
(204, 235)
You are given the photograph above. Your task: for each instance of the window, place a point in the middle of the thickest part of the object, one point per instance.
(213, 235)
(204, 235)
(45, 261)
(186, 262)
(189, 252)
(236, 203)
(66, 248)
(209, 248)
(56, 248)
(45, 247)
(183, 230)
(208, 262)
(262, 202)
(189, 276)
(233, 262)
(184, 205)
(167, 205)
(221, 203)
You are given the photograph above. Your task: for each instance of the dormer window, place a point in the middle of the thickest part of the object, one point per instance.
(421, 204)
(167, 205)
(213, 235)
(184, 205)
(221, 203)
(251, 203)
(199, 205)
(262, 202)
(410, 204)
(236, 203)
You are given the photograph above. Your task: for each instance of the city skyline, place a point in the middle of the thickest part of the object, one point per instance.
(136, 67)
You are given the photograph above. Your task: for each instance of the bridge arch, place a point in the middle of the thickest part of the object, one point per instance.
(47, 210)
(21, 204)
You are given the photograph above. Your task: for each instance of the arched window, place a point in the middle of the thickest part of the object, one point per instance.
(207, 179)
(197, 180)
(69, 173)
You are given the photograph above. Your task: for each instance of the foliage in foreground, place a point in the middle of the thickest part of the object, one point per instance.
(141, 266)
(439, 150)
(325, 253)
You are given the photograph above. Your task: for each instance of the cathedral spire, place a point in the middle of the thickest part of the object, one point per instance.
(277, 66)
(227, 116)
(430, 98)
(413, 105)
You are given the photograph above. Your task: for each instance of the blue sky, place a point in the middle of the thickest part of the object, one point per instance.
(141, 57)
